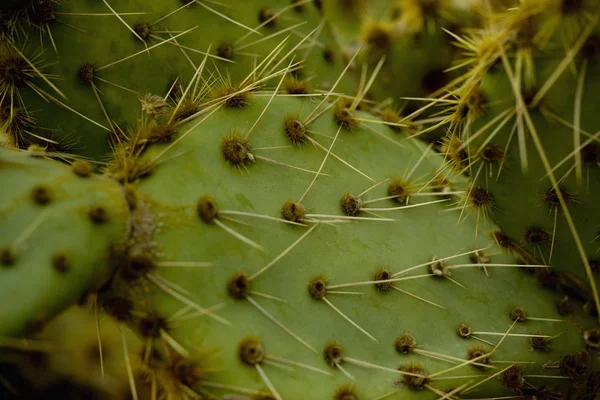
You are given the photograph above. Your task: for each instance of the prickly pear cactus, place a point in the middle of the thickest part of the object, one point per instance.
(72, 73)
(404, 40)
(288, 250)
(281, 243)
(58, 225)
(82, 346)
(523, 125)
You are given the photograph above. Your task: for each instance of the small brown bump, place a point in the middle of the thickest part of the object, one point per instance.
(82, 169)
(346, 392)
(329, 55)
(207, 209)
(538, 236)
(399, 189)
(267, 14)
(539, 343)
(251, 351)
(417, 379)
(378, 37)
(343, 115)
(98, 214)
(351, 204)
(294, 129)
(574, 365)
(61, 262)
(236, 150)
(152, 325)
(492, 153)
(230, 96)
(590, 154)
(294, 85)
(405, 343)
(464, 331)
(480, 355)
(592, 338)
(188, 372)
(292, 211)
(480, 198)
(8, 258)
(86, 74)
(143, 30)
(225, 50)
(439, 268)
(551, 197)
(41, 194)
(513, 380)
(382, 275)
(334, 354)
(318, 287)
(518, 314)
(239, 286)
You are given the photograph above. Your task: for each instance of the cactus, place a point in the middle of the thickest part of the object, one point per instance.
(274, 240)
(70, 72)
(406, 41)
(59, 223)
(81, 346)
(262, 279)
(535, 154)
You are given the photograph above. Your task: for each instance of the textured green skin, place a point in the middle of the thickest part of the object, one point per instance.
(76, 356)
(106, 40)
(412, 54)
(35, 289)
(518, 195)
(347, 253)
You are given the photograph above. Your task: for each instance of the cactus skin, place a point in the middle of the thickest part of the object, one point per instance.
(408, 33)
(188, 231)
(74, 355)
(525, 203)
(76, 68)
(173, 223)
(57, 228)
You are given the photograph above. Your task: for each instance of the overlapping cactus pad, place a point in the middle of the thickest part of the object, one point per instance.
(59, 223)
(251, 198)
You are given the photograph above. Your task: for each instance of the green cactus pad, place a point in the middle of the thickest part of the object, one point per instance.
(58, 225)
(255, 285)
(83, 68)
(539, 156)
